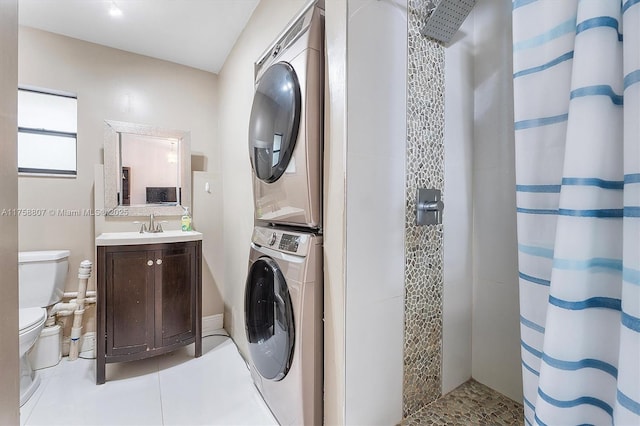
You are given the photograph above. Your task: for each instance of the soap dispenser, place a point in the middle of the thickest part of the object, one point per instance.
(186, 220)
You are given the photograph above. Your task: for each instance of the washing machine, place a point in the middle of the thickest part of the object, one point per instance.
(286, 124)
(283, 320)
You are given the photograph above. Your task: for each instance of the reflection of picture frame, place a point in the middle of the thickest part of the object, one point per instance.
(161, 194)
(126, 186)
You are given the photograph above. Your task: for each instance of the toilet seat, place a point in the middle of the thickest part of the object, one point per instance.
(31, 318)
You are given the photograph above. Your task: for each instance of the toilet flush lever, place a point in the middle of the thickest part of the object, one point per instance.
(429, 206)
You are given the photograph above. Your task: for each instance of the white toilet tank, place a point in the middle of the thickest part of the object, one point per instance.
(42, 276)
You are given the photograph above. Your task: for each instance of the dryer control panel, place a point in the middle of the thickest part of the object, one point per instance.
(289, 242)
(280, 240)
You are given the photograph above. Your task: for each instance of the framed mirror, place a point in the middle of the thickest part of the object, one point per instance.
(147, 169)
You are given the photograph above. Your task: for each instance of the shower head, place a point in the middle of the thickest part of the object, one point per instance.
(445, 18)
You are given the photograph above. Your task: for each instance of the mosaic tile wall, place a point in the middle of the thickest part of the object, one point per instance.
(423, 244)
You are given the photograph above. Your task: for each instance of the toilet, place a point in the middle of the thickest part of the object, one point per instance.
(41, 276)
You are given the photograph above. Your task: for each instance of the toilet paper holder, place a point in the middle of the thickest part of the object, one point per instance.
(429, 206)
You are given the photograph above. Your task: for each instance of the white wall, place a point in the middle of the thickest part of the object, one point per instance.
(496, 318)
(334, 214)
(376, 151)
(479, 76)
(457, 305)
(9, 376)
(207, 218)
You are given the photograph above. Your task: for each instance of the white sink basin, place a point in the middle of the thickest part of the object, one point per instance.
(132, 238)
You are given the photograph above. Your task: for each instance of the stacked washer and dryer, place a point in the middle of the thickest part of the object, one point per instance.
(284, 287)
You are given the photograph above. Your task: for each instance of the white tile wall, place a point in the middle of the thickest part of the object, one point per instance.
(480, 313)
(496, 331)
(376, 140)
(458, 213)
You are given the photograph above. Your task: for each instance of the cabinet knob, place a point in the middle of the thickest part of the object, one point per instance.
(159, 262)
(150, 262)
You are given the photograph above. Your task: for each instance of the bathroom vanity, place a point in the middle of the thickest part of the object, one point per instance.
(149, 295)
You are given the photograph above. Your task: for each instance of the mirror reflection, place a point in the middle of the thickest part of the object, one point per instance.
(150, 170)
(147, 169)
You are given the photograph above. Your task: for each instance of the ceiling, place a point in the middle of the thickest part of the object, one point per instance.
(196, 33)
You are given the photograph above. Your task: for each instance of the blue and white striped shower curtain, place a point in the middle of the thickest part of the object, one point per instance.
(577, 125)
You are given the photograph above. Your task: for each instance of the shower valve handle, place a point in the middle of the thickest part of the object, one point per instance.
(429, 206)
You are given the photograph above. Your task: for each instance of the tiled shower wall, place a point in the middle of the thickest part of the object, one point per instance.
(423, 244)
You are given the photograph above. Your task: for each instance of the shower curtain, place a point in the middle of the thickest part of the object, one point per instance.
(577, 133)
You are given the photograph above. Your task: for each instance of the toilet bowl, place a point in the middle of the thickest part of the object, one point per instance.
(31, 322)
(41, 276)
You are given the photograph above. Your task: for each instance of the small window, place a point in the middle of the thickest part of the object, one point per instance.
(47, 133)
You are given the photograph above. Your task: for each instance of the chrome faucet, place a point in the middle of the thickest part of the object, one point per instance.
(153, 227)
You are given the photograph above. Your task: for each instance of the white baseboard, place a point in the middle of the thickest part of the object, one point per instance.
(212, 323)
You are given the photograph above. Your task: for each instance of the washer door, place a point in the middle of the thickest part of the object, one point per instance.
(269, 319)
(274, 122)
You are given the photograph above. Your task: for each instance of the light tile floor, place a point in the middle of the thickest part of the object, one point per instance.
(171, 389)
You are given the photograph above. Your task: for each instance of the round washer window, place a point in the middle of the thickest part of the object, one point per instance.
(274, 122)
(269, 319)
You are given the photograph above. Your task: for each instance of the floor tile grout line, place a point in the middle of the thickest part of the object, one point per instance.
(160, 392)
(165, 395)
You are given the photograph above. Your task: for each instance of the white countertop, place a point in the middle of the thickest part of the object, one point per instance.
(133, 238)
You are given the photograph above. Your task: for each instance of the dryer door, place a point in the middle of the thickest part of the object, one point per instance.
(274, 122)
(269, 319)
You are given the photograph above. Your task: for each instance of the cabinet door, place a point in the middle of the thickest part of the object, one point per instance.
(176, 302)
(129, 301)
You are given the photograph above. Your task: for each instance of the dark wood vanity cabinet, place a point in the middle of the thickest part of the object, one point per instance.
(149, 301)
